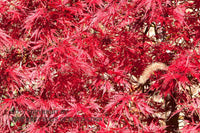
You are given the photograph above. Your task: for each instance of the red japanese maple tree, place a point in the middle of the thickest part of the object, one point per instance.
(70, 65)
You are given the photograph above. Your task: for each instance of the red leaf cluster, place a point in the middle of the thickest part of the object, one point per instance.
(77, 59)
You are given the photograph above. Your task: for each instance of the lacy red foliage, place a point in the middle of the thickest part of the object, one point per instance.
(75, 58)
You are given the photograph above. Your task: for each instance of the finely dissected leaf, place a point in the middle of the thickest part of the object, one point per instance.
(4, 39)
(179, 13)
(99, 66)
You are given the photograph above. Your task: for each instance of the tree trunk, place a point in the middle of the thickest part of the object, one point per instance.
(171, 122)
